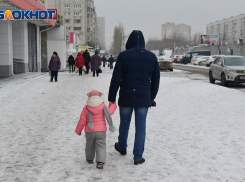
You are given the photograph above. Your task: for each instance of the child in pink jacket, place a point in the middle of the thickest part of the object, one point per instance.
(93, 119)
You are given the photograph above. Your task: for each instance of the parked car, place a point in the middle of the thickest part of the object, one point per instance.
(175, 58)
(179, 58)
(200, 60)
(187, 58)
(204, 62)
(227, 69)
(193, 60)
(210, 60)
(165, 63)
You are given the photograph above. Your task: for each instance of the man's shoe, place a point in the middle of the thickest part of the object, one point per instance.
(139, 162)
(122, 152)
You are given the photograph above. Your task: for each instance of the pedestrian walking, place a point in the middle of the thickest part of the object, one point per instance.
(96, 62)
(54, 66)
(93, 119)
(80, 62)
(138, 75)
(104, 60)
(111, 61)
(71, 62)
(87, 58)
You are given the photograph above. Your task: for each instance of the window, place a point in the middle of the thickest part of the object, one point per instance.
(220, 61)
(77, 21)
(188, 55)
(216, 61)
(77, 6)
(67, 20)
(67, 13)
(77, 13)
(67, 6)
(77, 28)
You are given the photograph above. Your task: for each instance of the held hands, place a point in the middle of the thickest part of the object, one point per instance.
(111, 103)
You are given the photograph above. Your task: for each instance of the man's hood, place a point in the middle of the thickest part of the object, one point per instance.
(96, 52)
(79, 54)
(136, 39)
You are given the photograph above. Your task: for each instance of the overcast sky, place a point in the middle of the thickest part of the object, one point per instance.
(149, 15)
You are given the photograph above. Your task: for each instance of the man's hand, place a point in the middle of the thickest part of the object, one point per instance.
(111, 103)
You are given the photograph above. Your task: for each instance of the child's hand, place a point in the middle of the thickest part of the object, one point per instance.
(111, 103)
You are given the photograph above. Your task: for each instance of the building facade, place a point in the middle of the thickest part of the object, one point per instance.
(91, 23)
(183, 31)
(20, 45)
(170, 30)
(101, 32)
(229, 30)
(79, 16)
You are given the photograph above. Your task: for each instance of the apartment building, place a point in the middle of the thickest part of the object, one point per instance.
(183, 31)
(78, 15)
(169, 30)
(101, 32)
(91, 25)
(229, 30)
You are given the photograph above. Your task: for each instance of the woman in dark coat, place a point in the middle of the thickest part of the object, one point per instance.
(54, 66)
(137, 74)
(80, 62)
(71, 62)
(96, 62)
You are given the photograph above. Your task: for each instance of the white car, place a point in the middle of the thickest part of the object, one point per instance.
(210, 60)
(193, 59)
(179, 58)
(204, 62)
(200, 60)
(228, 69)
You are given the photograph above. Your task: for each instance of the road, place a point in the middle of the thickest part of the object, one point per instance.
(193, 70)
(204, 72)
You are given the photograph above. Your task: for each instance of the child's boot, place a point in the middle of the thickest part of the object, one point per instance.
(100, 165)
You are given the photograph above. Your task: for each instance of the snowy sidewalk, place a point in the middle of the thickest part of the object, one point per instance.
(196, 132)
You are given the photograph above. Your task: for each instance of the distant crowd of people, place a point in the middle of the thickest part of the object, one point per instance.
(85, 62)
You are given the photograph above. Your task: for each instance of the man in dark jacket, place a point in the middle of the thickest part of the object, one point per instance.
(86, 57)
(111, 61)
(71, 62)
(104, 60)
(137, 74)
(54, 66)
(95, 63)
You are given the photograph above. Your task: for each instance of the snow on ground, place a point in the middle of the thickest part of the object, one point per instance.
(192, 65)
(196, 132)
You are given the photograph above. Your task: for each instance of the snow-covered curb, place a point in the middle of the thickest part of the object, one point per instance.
(190, 65)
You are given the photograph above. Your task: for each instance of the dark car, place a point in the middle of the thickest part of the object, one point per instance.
(187, 58)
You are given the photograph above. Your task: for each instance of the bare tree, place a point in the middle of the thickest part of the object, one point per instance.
(118, 39)
(196, 38)
(166, 43)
